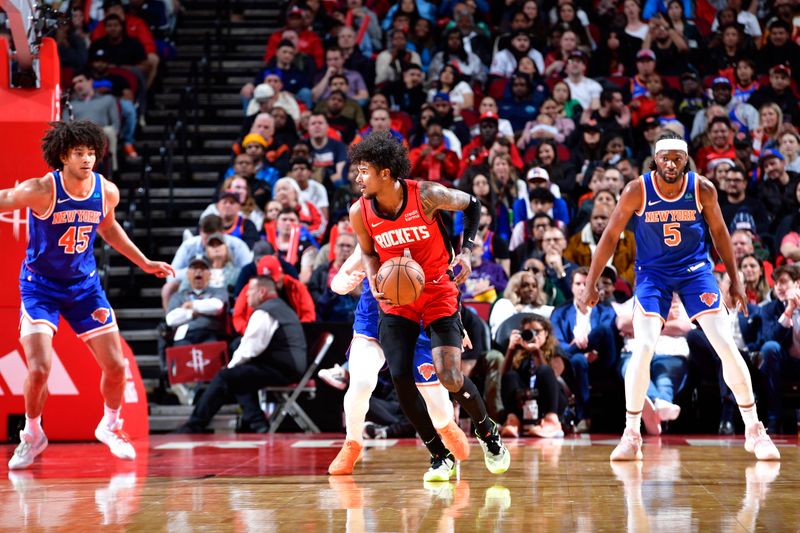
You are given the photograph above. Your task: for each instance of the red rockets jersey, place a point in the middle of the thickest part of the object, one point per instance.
(409, 230)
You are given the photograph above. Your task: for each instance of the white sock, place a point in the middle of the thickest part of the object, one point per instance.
(110, 416)
(633, 421)
(366, 360)
(33, 426)
(749, 415)
(437, 400)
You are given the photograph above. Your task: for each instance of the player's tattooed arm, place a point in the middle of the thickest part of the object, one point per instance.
(437, 197)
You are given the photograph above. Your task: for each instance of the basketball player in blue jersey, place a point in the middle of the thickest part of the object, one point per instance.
(67, 207)
(673, 210)
(366, 360)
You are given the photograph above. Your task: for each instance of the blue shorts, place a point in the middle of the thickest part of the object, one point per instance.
(698, 291)
(82, 302)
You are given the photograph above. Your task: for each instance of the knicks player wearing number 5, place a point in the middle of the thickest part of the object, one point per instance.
(396, 217)
(67, 207)
(673, 210)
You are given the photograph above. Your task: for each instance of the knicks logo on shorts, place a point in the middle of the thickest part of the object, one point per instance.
(709, 298)
(426, 370)
(101, 314)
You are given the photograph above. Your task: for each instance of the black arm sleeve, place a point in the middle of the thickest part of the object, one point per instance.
(472, 216)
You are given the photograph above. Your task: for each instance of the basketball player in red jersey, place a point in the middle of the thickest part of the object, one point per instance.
(396, 217)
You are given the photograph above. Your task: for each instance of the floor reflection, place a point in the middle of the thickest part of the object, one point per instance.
(553, 485)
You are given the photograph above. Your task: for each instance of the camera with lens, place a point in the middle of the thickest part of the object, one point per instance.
(527, 335)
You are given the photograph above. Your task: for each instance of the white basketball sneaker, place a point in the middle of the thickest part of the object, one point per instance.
(27, 450)
(629, 447)
(117, 440)
(757, 441)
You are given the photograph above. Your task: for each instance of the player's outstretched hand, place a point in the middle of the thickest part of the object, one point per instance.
(589, 298)
(159, 268)
(739, 296)
(462, 259)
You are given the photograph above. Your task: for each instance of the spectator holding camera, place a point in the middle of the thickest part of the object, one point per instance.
(532, 365)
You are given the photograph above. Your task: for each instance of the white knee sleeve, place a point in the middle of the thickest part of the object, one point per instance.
(437, 400)
(646, 330)
(366, 360)
(717, 328)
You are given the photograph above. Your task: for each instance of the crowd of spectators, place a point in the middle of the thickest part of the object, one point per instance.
(544, 110)
(110, 53)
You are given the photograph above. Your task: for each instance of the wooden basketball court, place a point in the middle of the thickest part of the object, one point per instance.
(279, 483)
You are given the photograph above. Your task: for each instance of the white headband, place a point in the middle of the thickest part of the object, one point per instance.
(672, 144)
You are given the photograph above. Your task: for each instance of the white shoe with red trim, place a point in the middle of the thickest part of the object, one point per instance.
(117, 440)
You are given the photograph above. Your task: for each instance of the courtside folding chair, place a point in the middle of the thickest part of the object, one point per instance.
(287, 395)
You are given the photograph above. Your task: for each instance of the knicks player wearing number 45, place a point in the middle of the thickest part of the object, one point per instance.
(673, 210)
(67, 207)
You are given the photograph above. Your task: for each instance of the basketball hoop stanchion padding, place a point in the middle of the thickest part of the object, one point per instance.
(75, 405)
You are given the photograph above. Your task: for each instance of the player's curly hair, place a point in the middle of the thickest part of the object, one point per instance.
(382, 150)
(64, 136)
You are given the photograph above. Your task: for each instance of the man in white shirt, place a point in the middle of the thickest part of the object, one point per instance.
(272, 352)
(583, 89)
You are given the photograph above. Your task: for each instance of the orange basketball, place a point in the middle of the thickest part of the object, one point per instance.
(401, 279)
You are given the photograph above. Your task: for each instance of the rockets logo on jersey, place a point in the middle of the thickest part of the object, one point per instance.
(402, 236)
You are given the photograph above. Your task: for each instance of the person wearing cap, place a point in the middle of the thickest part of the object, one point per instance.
(262, 101)
(645, 68)
(197, 312)
(693, 97)
(779, 90)
(272, 352)
(584, 90)
(743, 116)
(308, 42)
(189, 248)
(777, 185)
(456, 132)
(539, 178)
(290, 290)
(295, 80)
(270, 156)
(676, 211)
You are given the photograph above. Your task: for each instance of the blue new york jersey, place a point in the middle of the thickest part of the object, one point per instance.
(670, 234)
(671, 255)
(61, 241)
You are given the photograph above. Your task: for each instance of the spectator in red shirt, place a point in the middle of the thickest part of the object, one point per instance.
(433, 161)
(720, 134)
(308, 42)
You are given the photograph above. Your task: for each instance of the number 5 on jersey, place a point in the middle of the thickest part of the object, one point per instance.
(75, 240)
(672, 234)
